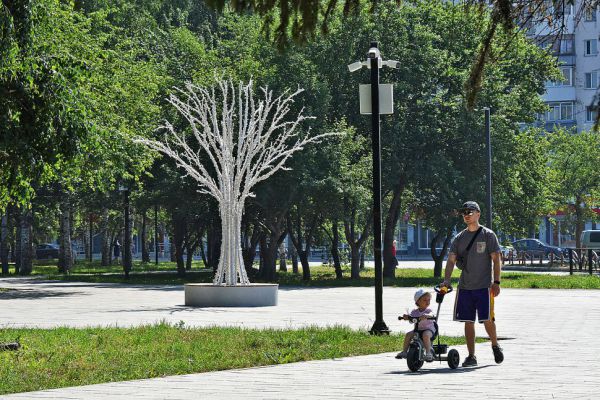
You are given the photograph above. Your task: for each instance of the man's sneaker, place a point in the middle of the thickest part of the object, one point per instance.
(470, 361)
(429, 356)
(498, 354)
(402, 354)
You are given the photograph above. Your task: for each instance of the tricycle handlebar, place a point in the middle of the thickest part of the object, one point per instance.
(414, 320)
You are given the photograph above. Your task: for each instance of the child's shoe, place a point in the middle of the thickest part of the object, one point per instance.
(402, 354)
(429, 356)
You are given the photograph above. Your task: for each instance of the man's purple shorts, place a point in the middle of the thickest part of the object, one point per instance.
(469, 303)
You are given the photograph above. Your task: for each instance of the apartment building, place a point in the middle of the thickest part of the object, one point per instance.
(571, 99)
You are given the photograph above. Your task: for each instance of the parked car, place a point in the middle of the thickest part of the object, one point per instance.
(46, 250)
(590, 239)
(537, 248)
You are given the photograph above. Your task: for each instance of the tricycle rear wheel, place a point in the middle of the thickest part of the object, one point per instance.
(453, 359)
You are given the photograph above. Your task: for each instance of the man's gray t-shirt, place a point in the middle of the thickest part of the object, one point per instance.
(477, 274)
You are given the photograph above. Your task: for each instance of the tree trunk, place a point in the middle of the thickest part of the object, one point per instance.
(127, 236)
(271, 238)
(249, 244)
(362, 258)
(355, 257)
(269, 247)
(190, 250)
(303, 255)
(17, 247)
(268, 252)
(282, 258)
(335, 253)
(389, 261)
(294, 262)
(439, 259)
(113, 239)
(303, 250)
(25, 250)
(4, 244)
(87, 242)
(144, 238)
(65, 254)
(302, 244)
(179, 228)
(579, 222)
(213, 245)
(203, 253)
(106, 239)
(356, 243)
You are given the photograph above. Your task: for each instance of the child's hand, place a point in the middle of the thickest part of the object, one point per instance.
(405, 317)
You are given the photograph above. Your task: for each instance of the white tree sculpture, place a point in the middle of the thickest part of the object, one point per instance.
(244, 141)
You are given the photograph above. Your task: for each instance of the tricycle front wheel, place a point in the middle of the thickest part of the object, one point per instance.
(413, 360)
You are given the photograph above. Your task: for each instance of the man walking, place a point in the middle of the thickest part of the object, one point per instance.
(473, 251)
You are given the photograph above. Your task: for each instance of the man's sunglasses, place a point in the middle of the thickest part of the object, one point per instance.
(467, 212)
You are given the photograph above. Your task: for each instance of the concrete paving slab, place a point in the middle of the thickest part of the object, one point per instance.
(551, 343)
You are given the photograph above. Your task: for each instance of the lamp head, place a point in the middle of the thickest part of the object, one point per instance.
(355, 66)
(392, 63)
(373, 52)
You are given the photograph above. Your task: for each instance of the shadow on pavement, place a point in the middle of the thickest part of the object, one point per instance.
(32, 294)
(446, 370)
(107, 285)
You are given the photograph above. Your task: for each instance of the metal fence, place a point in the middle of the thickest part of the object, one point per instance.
(575, 259)
(584, 259)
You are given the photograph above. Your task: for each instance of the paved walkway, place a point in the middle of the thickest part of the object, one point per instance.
(551, 343)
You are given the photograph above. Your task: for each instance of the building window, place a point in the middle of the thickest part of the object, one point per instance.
(567, 80)
(567, 8)
(591, 114)
(591, 47)
(566, 46)
(560, 111)
(566, 111)
(590, 14)
(591, 80)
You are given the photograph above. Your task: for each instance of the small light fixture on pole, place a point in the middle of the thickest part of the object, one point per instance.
(376, 99)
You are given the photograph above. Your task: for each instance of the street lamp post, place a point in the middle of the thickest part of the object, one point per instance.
(489, 166)
(374, 63)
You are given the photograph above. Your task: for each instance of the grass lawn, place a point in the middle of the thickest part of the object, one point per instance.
(71, 357)
(49, 267)
(164, 273)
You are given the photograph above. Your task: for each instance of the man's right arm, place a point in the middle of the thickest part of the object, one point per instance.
(449, 268)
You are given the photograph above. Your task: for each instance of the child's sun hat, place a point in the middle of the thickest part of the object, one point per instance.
(420, 293)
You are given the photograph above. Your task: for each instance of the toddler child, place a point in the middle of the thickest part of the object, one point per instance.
(426, 326)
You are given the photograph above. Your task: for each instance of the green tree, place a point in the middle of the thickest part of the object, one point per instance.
(574, 160)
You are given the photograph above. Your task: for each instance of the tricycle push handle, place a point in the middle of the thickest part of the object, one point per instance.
(443, 289)
(441, 292)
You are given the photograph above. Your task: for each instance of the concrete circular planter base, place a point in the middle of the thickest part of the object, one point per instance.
(209, 295)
